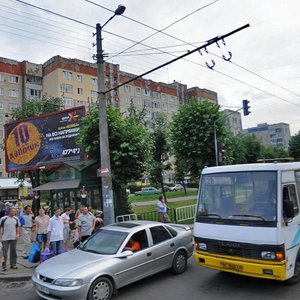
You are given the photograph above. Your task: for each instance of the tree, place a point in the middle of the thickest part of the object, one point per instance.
(130, 147)
(246, 149)
(192, 136)
(294, 146)
(161, 151)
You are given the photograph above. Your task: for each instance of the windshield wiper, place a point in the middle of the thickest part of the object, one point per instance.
(249, 216)
(209, 215)
(92, 251)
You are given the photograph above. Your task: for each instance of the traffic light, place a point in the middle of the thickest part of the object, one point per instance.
(222, 153)
(246, 107)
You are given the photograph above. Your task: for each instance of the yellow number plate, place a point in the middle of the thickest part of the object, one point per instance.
(231, 266)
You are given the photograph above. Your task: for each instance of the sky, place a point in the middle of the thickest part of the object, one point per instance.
(264, 67)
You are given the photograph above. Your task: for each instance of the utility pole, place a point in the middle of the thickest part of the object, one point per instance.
(105, 169)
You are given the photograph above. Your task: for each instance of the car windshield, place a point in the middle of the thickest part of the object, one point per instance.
(247, 196)
(104, 242)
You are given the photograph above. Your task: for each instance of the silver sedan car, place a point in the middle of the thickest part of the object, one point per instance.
(115, 256)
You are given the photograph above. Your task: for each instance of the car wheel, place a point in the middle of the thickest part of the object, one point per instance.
(296, 278)
(179, 262)
(101, 289)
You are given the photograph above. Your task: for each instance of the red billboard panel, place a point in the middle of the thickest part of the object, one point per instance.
(44, 141)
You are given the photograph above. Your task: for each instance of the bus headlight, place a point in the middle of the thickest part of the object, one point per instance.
(270, 255)
(202, 246)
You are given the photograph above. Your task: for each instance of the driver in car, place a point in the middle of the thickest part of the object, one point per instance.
(133, 245)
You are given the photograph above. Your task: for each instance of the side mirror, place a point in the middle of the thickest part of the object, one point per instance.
(125, 254)
(288, 209)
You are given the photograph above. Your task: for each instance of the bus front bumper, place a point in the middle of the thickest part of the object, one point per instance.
(247, 267)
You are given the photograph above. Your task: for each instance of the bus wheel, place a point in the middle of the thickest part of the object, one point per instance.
(296, 278)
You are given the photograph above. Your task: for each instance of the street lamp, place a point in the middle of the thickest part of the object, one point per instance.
(105, 171)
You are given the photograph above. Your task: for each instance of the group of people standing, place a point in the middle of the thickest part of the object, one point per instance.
(50, 232)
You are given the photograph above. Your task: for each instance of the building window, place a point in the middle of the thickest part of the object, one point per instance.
(80, 102)
(138, 90)
(79, 78)
(148, 103)
(94, 81)
(128, 100)
(127, 89)
(34, 79)
(139, 102)
(33, 93)
(147, 92)
(12, 106)
(1, 162)
(68, 102)
(1, 91)
(80, 91)
(94, 94)
(148, 114)
(156, 105)
(13, 93)
(66, 88)
(116, 93)
(163, 96)
(13, 79)
(1, 77)
(115, 80)
(68, 75)
(1, 105)
(107, 78)
(156, 95)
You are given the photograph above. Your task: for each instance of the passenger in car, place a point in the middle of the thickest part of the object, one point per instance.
(133, 245)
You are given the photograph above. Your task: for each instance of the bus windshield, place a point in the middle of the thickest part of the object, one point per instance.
(249, 196)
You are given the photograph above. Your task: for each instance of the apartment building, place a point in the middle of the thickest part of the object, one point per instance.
(275, 135)
(233, 120)
(76, 81)
(18, 80)
(202, 95)
(152, 97)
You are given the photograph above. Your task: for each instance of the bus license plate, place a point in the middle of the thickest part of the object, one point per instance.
(42, 289)
(231, 266)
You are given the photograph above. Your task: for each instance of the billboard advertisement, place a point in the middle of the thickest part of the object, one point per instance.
(44, 141)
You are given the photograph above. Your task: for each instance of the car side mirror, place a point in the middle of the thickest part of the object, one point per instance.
(125, 253)
(288, 209)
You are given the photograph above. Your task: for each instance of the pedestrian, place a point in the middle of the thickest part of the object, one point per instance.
(99, 222)
(85, 224)
(162, 210)
(9, 234)
(41, 228)
(56, 232)
(66, 218)
(26, 221)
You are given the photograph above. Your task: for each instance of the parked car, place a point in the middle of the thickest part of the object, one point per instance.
(176, 187)
(166, 188)
(147, 191)
(101, 264)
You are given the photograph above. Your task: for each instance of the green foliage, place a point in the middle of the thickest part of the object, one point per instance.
(31, 108)
(130, 143)
(248, 149)
(294, 147)
(161, 150)
(192, 136)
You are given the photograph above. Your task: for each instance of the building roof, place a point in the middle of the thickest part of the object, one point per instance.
(12, 183)
(59, 185)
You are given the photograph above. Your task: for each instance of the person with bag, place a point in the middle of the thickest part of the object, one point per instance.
(26, 220)
(9, 234)
(41, 228)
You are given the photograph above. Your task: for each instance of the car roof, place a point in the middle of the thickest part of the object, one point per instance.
(131, 226)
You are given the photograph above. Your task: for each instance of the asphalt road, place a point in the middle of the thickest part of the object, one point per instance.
(195, 283)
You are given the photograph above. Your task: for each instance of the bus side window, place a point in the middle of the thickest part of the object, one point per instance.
(289, 195)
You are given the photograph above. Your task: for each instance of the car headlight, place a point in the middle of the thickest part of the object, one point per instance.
(270, 255)
(201, 246)
(68, 282)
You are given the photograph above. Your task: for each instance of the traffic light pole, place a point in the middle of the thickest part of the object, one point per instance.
(215, 134)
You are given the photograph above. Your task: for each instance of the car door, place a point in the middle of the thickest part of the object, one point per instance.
(163, 247)
(138, 265)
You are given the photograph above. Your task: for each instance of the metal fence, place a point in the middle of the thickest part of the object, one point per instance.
(178, 215)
